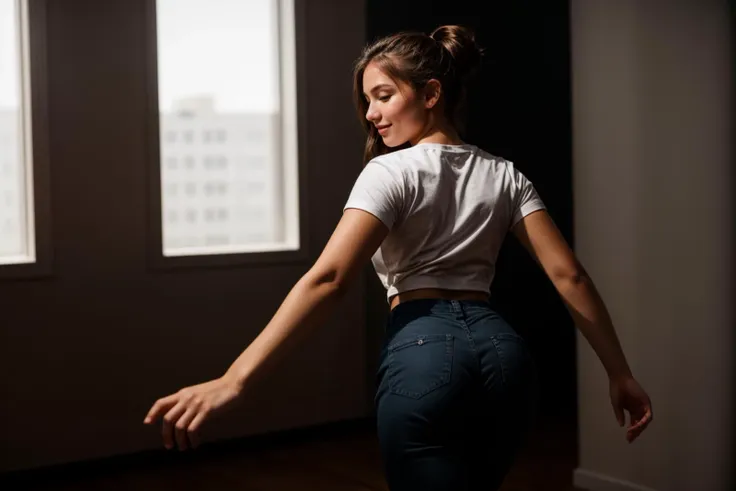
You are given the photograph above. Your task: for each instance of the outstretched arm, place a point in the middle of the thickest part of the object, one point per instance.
(541, 237)
(544, 242)
(355, 239)
(311, 300)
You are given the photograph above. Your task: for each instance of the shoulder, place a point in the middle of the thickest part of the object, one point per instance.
(396, 159)
(382, 174)
(406, 162)
(497, 164)
(391, 165)
(383, 165)
(501, 165)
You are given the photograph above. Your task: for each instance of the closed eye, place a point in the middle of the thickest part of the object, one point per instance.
(383, 98)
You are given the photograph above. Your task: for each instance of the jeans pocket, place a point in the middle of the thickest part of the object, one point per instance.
(420, 364)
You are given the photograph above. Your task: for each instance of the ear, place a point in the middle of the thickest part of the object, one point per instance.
(431, 93)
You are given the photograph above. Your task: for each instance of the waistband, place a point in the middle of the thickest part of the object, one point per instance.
(428, 306)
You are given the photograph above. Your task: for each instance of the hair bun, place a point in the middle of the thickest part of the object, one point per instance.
(460, 42)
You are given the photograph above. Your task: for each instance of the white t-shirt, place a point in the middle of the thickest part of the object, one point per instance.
(448, 209)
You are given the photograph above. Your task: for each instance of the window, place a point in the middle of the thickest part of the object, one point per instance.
(215, 104)
(254, 188)
(217, 240)
(215, 162)
(17, 240)
(254, 162)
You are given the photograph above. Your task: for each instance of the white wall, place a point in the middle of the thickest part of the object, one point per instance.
(652, 102)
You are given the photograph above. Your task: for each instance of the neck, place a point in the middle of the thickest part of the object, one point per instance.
(442, 133)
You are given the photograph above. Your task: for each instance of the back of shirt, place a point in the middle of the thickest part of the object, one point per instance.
(448, 209)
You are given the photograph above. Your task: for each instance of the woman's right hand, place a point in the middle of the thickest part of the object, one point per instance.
(627, 394)
(183, 413)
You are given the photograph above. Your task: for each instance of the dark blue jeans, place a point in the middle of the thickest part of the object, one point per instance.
(457, 390)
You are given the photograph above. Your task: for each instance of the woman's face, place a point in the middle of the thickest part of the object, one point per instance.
(397, 111)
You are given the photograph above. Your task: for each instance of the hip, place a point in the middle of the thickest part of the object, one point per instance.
(431, 344)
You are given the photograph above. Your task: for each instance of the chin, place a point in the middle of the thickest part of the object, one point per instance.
(393, 142)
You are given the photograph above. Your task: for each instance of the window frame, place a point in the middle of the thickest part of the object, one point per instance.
(156, 258)
(34, 92)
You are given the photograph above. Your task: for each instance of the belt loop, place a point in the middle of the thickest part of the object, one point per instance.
(456, 307)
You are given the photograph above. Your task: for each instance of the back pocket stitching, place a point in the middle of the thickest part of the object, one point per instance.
(446, 371)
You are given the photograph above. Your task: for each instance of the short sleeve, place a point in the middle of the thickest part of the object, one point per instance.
(379, 190)
(524, 196)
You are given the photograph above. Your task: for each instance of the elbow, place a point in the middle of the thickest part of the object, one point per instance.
(331, 282)
(574, 274)
(571, 278)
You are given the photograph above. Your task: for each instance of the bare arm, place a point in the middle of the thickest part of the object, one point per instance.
(307, 305)
(311, 301)
(541, 237)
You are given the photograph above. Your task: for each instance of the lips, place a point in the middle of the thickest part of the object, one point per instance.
(383, 129)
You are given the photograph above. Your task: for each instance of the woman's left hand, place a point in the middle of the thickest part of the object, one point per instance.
(184, 412)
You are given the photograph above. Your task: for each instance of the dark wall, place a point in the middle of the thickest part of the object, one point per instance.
(520, 109)
(87, 348)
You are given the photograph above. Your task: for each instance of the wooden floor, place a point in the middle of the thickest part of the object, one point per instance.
(341, 457)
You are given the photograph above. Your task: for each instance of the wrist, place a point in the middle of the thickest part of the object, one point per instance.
(234, 380)
(619, 375)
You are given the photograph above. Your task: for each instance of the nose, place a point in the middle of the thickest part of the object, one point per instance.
(371, 114)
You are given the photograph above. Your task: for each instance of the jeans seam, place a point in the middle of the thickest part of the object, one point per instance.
(500, 359)
(471, 343)
(460, 311)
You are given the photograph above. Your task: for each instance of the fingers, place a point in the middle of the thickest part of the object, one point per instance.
(182, 426)
(182, 418)
(642, 422)
(184, 412)
(619, 412)
(167, 429)
(194, 428)
(160, 408)
(187, 428)
(639, 425)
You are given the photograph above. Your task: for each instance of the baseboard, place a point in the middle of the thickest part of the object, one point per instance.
(593, 481)
(158, 456)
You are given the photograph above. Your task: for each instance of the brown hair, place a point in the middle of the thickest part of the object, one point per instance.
(450, 55)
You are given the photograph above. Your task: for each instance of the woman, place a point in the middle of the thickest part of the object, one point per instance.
(456, 384)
